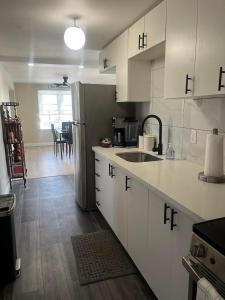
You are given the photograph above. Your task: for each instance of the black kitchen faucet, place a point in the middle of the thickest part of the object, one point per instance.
(160, 145)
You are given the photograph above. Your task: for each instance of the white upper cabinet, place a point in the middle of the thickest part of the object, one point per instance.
(136, 34)
(107, 58)
(180, 47)
(155, 26)
(132, 76)
(210, 50)
(148, 31)
(122, 67)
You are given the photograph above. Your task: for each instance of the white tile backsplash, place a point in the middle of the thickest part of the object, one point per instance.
(157, 84)
(179, 116)
(204, 114)
(169, 111)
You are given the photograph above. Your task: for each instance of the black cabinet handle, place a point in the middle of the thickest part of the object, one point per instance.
(186, 84)
(220, 85)
(165, 213)
(127, 187)
(140, 42)
(116, 95)
(98, 203)
(172, 224)
(112, 171)
(96, 159)
(97, 175)
(97, 189)
(144, 37)
(105, 63)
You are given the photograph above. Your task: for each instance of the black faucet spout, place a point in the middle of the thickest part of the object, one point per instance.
(160, 145)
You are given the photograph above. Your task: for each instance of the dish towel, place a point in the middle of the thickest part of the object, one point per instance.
(206, 291)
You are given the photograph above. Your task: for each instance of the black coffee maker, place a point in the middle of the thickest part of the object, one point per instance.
(125, 132)
(118, 124)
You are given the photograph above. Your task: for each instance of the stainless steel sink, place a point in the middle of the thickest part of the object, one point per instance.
(137, 156)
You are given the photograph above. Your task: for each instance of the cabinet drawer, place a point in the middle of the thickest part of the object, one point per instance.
(99, 199)
(98, 164)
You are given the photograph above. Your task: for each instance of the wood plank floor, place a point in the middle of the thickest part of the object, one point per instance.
(41, 162)
(46, 217)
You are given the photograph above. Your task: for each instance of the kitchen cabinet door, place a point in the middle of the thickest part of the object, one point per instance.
(136, 32)
(137, 208)
(122, 68)
(181, 241)
(210, 49)
(107, 59)
(120, 207)
(104, 188)
(158, 264)
(166, 246)
(132, 76)
(180, 48)
(155, 26)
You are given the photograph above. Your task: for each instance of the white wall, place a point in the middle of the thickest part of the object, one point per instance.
(27, 96)
(180, 116)
(5, 85)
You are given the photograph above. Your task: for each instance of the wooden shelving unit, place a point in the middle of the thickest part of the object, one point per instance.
(13, 141)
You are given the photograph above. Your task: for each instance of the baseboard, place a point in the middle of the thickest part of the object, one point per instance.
(38, 144)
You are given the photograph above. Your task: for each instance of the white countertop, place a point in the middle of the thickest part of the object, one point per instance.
(175, 181)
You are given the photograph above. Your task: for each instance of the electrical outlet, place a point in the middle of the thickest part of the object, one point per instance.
(193, 138)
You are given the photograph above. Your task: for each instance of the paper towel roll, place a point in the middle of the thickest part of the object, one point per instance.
(141, 142)
(149, 142)
(214, 156)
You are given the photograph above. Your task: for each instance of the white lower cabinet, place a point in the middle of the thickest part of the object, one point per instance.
(137, 217)
(120, 207)
(104, 188)
(166, 246)
(155, 234)
(158, 266)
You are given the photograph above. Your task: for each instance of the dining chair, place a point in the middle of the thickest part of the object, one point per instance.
(65, 126)
(57, 142)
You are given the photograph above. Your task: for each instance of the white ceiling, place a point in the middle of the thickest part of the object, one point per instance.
(47, 73)
(32, 30)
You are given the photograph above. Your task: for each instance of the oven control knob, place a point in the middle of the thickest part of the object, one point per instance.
(198, 251)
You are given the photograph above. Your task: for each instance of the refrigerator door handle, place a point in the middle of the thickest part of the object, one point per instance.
(76, 123)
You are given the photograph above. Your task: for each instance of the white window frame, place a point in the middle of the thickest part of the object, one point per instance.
(59, 94)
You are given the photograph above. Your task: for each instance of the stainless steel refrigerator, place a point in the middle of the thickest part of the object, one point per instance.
(94, 106)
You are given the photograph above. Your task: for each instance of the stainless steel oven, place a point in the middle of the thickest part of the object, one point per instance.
(207, 256)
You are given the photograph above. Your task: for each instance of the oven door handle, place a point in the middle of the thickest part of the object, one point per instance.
(188, 264)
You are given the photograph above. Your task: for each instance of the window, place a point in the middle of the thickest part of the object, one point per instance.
(55, 107)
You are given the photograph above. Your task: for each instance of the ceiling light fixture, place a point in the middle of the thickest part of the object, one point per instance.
(74, 37)
(30, 64)
(81, 66)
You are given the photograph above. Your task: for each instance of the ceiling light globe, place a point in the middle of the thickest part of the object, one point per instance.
(74, 38)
